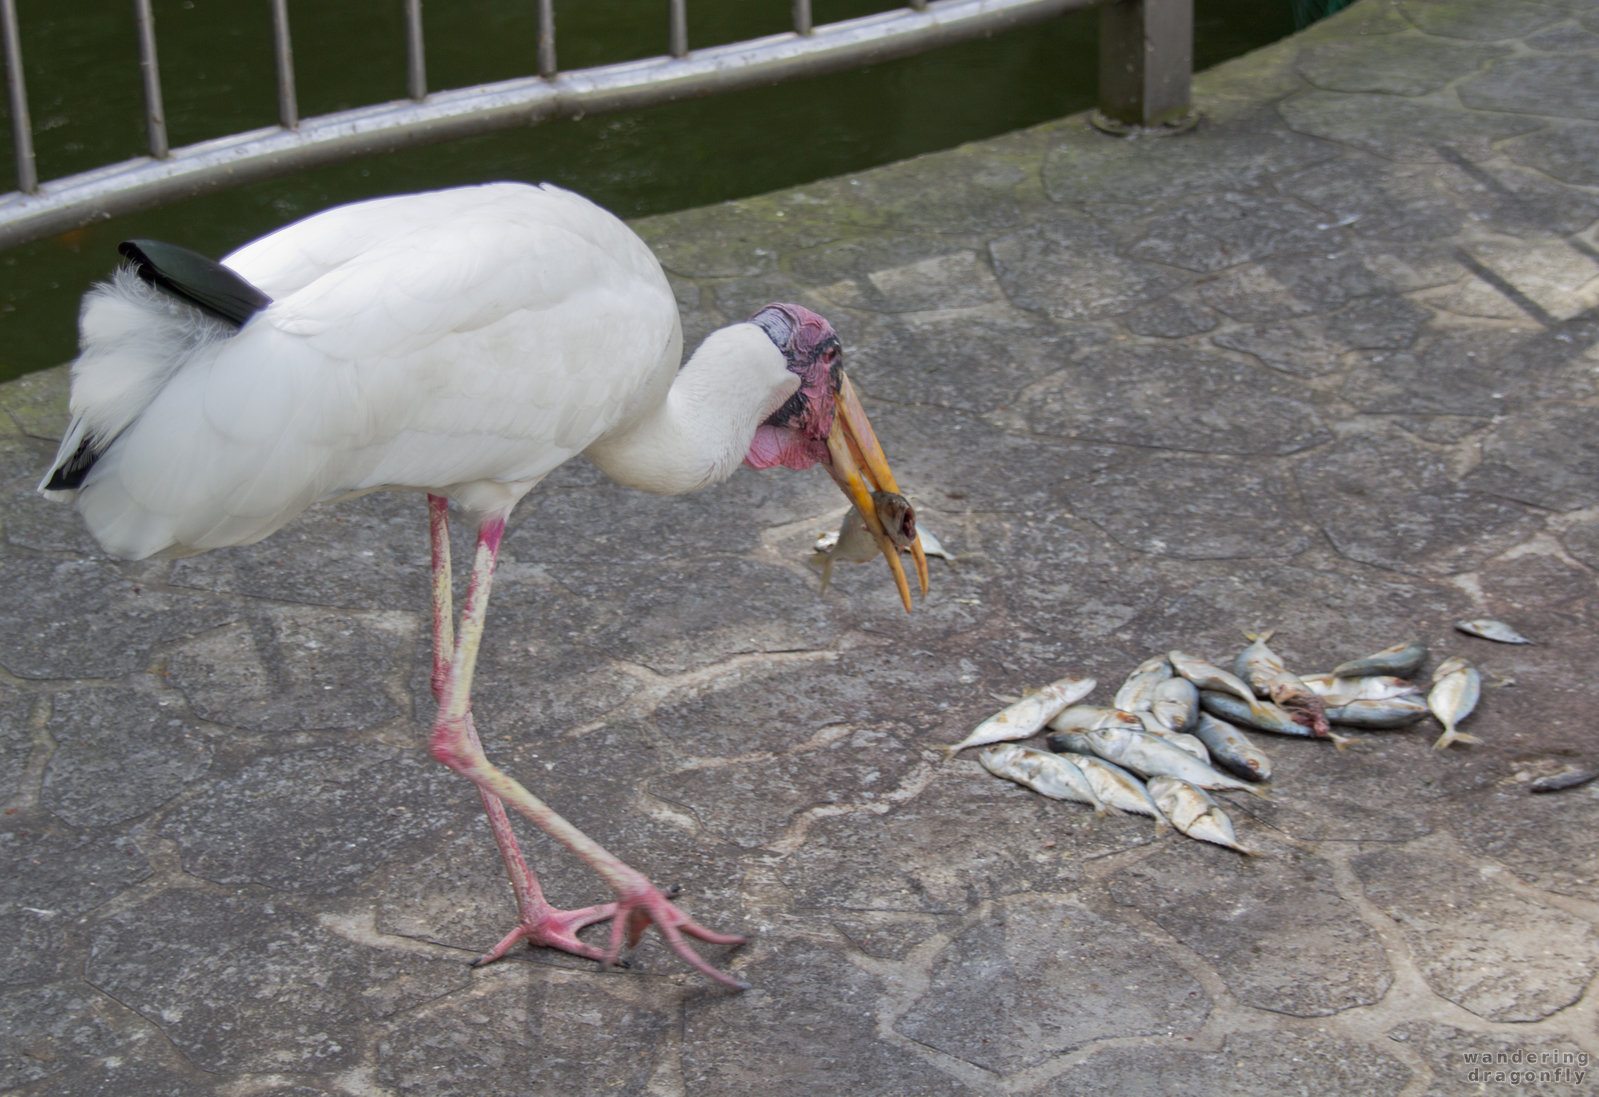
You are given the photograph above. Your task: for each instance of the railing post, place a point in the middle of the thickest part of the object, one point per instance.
(416, 77)
(1146, 58)
(283, 50)
(155, 115)
(677, 43)
(17, 93)
(546, 38)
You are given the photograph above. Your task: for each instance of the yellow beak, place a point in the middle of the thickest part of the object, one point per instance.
(860, 468)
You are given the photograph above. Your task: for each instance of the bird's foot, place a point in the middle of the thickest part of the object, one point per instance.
(641, 903)
(551, 928)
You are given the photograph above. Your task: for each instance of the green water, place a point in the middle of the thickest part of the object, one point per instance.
(218, 78)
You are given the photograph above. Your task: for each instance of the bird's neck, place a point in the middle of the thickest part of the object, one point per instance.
(700, 432)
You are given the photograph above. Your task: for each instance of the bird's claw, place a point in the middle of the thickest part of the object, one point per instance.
(638, 907)
(556, 929)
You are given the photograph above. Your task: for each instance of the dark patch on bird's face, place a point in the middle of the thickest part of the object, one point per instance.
(814, 353)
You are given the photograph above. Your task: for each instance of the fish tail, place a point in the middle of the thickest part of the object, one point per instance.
(1450, 735)
(1263, 637)
(1262, 793)
(1161, 827)
(1341, 742)
(950, 751)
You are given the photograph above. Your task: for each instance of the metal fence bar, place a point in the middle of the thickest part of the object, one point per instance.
(142, 183)
(283, 52)
(17, 95)
(155, 115)
(802, 16)
(416, 80)
(547, 38)
(679, 29)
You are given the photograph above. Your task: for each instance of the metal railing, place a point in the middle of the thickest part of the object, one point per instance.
(1145, 62)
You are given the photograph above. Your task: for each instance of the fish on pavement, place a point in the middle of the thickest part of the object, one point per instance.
(1118, 788)
(1088, 717)
(1456, 686)
(1489, 629)
(1181, 739)
(1138, 691)
(1052, 775)
(1269, 677)
(1207, 675)
(1378, 713)
(1335, 691)
(1176, 704)
(1573, 776)
(1271, 718)
(1231, 749)
(1151, 756)
(1399, 660)
(1025, 717)
(1195, 812)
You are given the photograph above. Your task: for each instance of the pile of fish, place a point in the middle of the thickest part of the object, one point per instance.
(1176, 728)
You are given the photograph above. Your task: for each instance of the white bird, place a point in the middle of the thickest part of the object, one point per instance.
(462, 343)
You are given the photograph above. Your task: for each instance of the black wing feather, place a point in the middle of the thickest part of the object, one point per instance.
(202, 282)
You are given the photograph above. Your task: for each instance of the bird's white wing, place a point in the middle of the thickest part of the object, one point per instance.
(487, 336)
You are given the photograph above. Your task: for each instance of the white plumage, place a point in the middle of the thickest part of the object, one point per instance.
(462, 343)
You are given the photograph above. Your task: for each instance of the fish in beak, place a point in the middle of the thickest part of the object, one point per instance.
(861, 470)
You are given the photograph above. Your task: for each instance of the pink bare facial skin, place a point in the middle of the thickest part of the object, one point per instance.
(795, 435)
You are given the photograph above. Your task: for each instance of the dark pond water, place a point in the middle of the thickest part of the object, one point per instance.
(218, 78)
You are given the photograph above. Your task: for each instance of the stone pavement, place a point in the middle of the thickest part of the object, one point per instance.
(1329, 365)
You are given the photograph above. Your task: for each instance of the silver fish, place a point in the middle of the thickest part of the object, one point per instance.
(1118, 788)
(1571, 777)
(1232, 749)
(1456, 686)
(1088, 717)
(1489, 629)
(1269, 717)
(855, 543)
(1181, 739)
(1138, 691)
(1176, 704)
(1340, 691)
(1069, 742)
(1195, 813)
(1207, 675)
(853, 530)
(1052, 775)
(1400, 660)
(1025, 717)
(1378, 712)
(1150, 755)
(1268, 676)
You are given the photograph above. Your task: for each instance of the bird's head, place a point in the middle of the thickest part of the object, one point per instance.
(823, 423)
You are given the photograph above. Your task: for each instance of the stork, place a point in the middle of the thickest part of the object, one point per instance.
(461, 343)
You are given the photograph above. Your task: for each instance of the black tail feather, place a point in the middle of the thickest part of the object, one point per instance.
(202, 282)
(69, 474)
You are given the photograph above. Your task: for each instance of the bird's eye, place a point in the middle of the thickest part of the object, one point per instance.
(829, 356)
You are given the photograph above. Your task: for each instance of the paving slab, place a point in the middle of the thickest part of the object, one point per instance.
(1327, 365)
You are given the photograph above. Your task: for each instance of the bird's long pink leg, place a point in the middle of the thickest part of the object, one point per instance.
(538, 923)
(454, 743)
